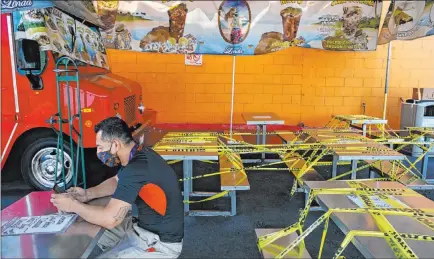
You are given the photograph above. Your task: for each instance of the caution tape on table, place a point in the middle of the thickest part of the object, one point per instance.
(392, 237)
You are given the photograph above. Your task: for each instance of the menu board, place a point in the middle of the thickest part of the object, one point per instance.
(54, 30)
(48, 224)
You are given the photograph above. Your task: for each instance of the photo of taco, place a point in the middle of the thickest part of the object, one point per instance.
(34, 16)
(57, 45)
(67, 48)
(61, 27)
(405, 15)
(41, 38)
(401, 17)
(50, 23)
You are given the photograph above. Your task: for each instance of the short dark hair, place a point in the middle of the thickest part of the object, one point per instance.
(114, 128)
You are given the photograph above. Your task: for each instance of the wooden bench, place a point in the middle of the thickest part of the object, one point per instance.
(311, 174)
(232, 181)
(384, 167)
(236, 139)
(288, 137)
(281, 242)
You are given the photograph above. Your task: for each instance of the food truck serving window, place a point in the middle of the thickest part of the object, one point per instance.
(77, 62)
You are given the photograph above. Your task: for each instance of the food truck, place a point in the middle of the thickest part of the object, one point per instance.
(29, 91)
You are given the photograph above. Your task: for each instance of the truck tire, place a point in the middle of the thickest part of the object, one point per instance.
(38, 163)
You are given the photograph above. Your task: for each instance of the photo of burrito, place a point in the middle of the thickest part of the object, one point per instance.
(107, 11)
(177, 17)
(291, 20)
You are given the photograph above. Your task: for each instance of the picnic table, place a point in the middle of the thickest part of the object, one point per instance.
(349, 146)
(261, 120)
(376, 247)
(363, 120)
(174, 146)
(428, 134)
(77, 241)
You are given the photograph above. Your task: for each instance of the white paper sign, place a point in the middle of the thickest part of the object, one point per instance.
(378, 202)
(193, 59)
(48, 224)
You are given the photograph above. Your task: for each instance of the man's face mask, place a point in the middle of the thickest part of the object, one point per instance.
(109, 159)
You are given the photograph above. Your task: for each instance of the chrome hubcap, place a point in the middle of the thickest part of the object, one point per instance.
(44, 167)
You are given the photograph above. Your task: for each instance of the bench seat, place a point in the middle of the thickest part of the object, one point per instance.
(232, 181)
(281, 242)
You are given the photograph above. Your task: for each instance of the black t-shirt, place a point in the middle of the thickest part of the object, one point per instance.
(150, 183)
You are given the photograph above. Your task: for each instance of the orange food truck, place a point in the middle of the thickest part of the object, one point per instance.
(28, 102)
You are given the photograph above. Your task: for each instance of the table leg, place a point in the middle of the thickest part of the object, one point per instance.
(264, 138)
(353, 169)
(258, 131)
(425, 164)
(334, 166)
(188, 184)
(371, 173)
(233, 196)
(364, 130)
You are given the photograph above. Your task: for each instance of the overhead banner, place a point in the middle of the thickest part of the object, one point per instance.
(239, 27)
(59, 32)
(408, 20)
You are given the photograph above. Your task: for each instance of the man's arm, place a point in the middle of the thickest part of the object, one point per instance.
(104, 189)
(108, 217)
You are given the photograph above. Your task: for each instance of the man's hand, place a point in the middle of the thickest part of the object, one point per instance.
(63, 202)
(79, 193)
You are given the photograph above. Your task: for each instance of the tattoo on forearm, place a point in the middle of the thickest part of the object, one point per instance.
(122, 213)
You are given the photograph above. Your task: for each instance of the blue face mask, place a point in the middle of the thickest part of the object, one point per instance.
(109, 159)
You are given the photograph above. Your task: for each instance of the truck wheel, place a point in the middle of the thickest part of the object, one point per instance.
(38, 164)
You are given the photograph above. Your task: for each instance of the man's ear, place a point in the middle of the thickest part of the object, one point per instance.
(116, 145)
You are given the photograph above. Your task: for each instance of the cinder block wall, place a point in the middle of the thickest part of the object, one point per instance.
(297, 84)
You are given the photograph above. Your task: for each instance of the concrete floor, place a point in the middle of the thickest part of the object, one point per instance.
(266, 205)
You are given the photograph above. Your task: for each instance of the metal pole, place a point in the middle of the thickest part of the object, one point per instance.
(386, 86)
(233, 93)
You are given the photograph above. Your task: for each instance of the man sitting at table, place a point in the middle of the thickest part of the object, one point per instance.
(143, 178)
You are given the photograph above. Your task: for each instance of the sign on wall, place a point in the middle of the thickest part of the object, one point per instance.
(193, 59)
